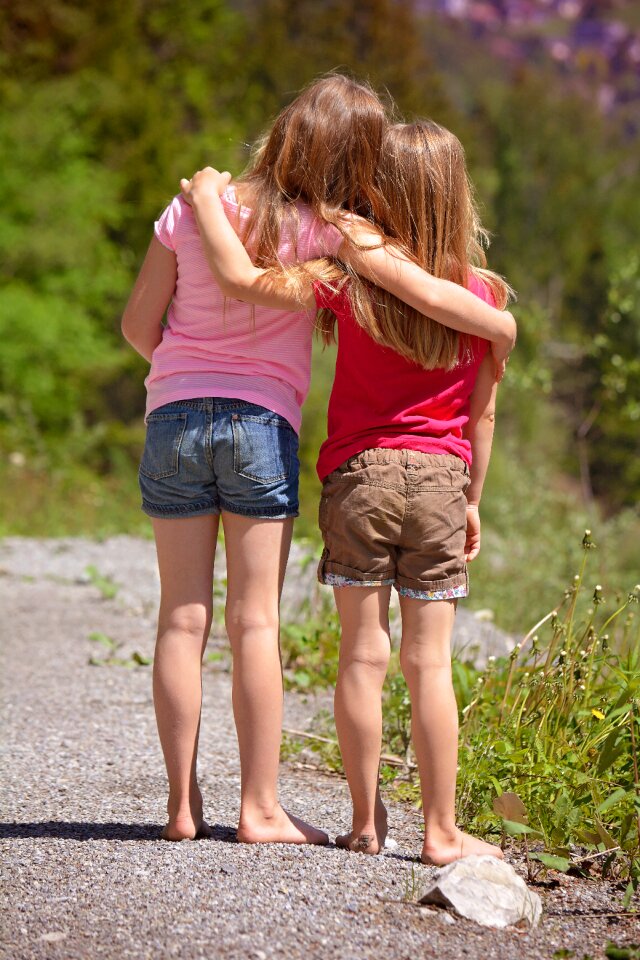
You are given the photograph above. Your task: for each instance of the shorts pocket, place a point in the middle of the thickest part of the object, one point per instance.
(263, 447)
(161, 456)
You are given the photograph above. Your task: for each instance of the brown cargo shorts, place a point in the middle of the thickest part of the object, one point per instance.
(396, 517)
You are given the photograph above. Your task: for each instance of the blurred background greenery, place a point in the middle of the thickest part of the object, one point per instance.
(105, 106)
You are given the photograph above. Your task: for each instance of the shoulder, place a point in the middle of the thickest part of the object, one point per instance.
(172, 220)
(316, 237)
(476, 284)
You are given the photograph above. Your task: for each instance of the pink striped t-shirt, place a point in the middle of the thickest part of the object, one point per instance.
(214, 346)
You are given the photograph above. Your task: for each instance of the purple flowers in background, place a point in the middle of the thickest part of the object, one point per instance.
(588, 40)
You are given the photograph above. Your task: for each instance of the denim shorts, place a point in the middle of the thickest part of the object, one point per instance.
(206, 455)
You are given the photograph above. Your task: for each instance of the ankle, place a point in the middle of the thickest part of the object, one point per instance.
(184, 805)
(364, 821)
(262, 810)
(440, 833)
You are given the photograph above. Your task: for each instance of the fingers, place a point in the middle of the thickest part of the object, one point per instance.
(207, 179)
(185, 189)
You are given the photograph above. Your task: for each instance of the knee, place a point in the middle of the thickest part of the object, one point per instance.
(418, 658)
(190, 623)
(373, 658)
(244, 623)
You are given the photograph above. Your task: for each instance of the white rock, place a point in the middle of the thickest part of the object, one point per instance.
(486, 890)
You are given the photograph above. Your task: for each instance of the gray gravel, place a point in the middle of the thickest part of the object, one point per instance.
(84, 791)
(131, 563)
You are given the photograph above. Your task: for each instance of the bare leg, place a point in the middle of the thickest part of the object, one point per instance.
(426, 663)
(257, 552)
(186, 551)
(364, 658)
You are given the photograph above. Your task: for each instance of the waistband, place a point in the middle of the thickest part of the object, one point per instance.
(211, 404)
(409, 458)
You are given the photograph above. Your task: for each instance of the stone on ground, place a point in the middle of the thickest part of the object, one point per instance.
(486, 890)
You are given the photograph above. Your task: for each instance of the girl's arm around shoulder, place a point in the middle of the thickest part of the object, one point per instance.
(152, 291)
(479, 432)
(446, 302)
(228, 260)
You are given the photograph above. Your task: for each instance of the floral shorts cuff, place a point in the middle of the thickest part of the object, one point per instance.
(338, 580)
(448, 593)
(455, 589)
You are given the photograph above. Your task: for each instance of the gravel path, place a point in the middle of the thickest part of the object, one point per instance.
(84, 791)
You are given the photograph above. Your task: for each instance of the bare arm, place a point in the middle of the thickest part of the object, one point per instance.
(444, 301)
(479, 432)
(228, 260)
(152, 291)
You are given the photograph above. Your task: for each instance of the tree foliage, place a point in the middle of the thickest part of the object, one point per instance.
(105, 106)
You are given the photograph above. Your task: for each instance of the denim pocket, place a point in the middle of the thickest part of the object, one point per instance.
(161, 456)
(262, 447)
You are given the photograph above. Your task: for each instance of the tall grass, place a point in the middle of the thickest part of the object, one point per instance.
(549, 736)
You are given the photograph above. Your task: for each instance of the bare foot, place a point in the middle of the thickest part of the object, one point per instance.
(186, 823)
(365, 838)
(439, 852)
(281, 827)
(186, 828)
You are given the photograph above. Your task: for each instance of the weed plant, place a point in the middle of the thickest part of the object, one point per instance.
(549, 736)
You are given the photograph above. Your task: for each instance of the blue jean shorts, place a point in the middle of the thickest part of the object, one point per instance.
(207, 455)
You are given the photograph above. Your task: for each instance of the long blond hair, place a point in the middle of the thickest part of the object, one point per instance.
(322, 149)
(432, 217)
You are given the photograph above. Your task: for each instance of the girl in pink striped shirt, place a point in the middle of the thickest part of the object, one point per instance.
(224, 394)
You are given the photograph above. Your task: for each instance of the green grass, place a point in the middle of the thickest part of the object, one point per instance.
(556, 725)
(68, 501)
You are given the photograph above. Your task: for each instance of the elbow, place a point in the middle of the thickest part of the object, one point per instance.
(510, 328)
(235, 289)
(482, 424)
(241, 286)
(487, 422)
(127, 327)
(131, 332)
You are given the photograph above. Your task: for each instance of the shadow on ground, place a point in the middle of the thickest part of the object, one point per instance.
(70, 830)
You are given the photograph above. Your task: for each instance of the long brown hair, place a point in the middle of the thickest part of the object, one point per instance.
(431, 216)
(322, 149)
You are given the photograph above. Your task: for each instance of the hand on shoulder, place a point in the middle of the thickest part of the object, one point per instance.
(204, 183)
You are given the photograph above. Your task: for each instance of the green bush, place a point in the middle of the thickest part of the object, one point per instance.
(557, 724)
